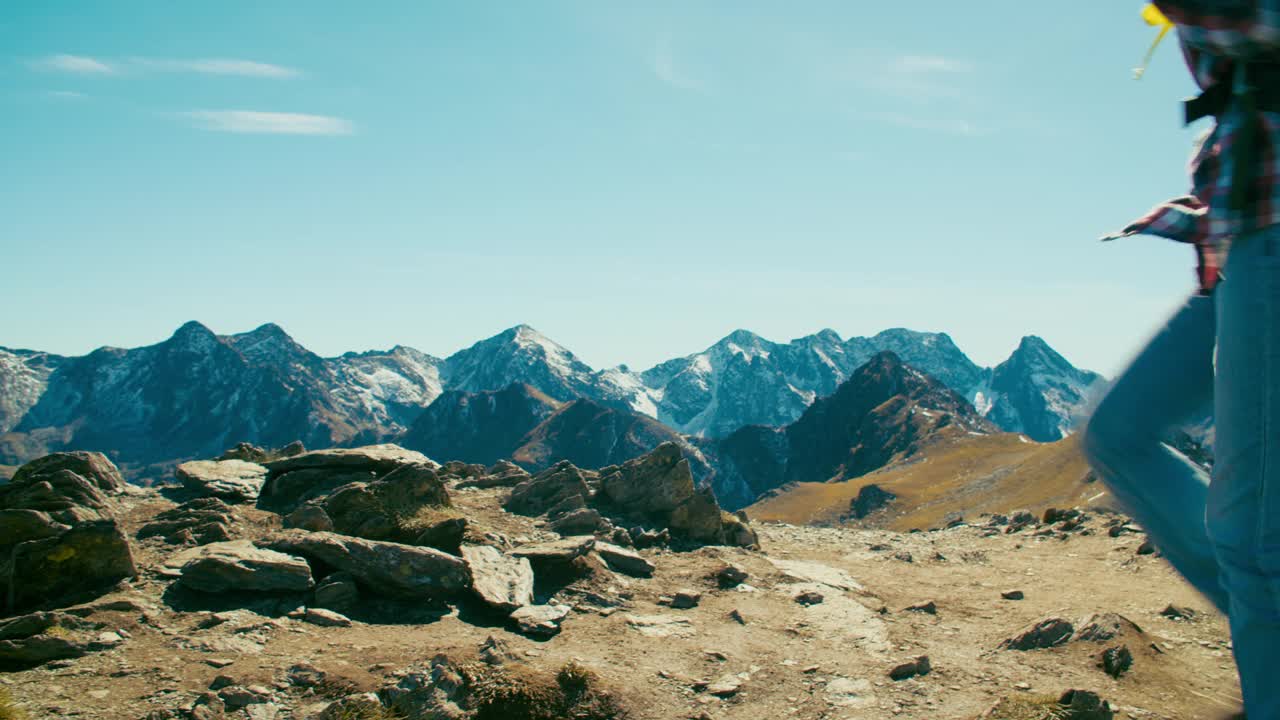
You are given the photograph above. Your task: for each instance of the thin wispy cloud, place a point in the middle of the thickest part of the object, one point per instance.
(85, 65)
(664, 66)
(268, 123)
(78, 64)
(216, 66)
(65, 94)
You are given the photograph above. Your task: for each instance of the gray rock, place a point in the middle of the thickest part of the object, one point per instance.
(502, 582)
(236, 696)
(726, 685)
(627, 562)
(1045, 633)
(547, 489)
(540, 620)
(911, 668)
(1012, 595)
(685, 599)
(556, 552)
(238, 566)
(22, 525)
(232, 480)
(377, 459)
(92, 466)
(200, 521)
(929, 608)
(1116, 661)
(383, 568)
(582, 521)
(1085, 705)
(83, 560)
(730, 576)
(810, 597)
(326, 618)
(1101, 627)
(337, 592)
(309, 517)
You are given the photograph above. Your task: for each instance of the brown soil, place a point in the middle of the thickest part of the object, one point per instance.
(827, 660)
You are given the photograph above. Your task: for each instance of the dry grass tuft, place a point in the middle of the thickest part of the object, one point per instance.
(8, 709)
(524, 694)
(1028, 707)
(425, 517)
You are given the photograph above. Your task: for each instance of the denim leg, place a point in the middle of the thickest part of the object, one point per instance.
(1244, 500)
(1169, 383)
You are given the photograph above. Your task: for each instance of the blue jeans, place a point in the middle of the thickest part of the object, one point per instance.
(1222, 536)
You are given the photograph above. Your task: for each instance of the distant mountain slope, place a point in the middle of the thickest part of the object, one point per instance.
(519, 355)
(593, 436)
(885, 411)
(1037, 392)
(24, 375)
(197, 390)
(962, 474)
(196, 393)
(481, 427)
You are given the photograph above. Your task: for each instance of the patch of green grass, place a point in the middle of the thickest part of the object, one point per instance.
(8, 709)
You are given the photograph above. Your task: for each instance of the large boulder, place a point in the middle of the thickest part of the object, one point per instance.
(659, 488)
(384, 509)
(552, 487)
(658, 482)
(231, 480)
(86, 558)
(291, 481)
(503, 582)
(62, 493)
(285, 493)
(383, 568)
(92, 466)
(239, 566)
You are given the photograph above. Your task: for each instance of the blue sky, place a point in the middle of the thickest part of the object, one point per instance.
(633, 179)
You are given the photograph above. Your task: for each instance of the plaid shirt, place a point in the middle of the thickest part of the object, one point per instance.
(1214, 34)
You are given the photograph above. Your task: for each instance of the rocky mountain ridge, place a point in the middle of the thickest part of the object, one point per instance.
(197, 392)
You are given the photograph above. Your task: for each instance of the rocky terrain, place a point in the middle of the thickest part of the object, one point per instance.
(197, 392)
(373, 582)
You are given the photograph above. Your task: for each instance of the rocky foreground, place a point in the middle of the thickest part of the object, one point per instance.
(375, 583)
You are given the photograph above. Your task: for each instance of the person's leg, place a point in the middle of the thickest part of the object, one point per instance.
(1244, 500)
(1169, 382)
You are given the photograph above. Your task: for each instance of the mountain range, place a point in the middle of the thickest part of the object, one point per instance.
(197, 393)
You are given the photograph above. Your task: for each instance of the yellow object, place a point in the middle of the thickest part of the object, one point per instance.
(1152, 16)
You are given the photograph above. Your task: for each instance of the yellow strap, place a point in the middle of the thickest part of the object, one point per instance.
(1152, 16)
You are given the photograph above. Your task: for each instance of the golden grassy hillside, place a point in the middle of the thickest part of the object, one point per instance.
(969, 474)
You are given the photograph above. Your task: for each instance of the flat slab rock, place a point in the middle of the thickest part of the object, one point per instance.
(379, 459)
(557, 551)
(384, 568)
(502, 582)
(239, 565)
(628, 562)
(236, 480)
(540, 620)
